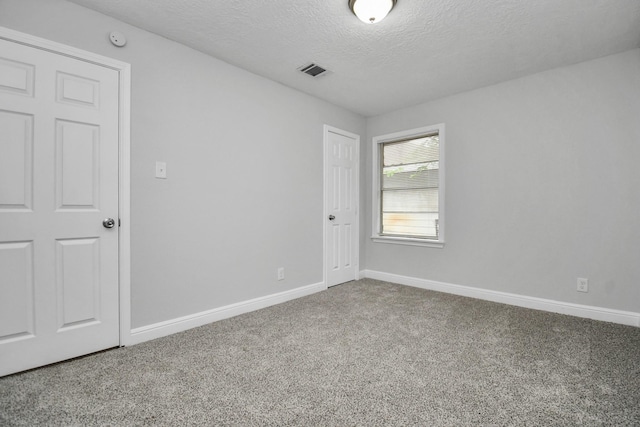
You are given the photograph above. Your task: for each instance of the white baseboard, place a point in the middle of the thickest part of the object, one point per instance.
(585, 311)
(168, 327)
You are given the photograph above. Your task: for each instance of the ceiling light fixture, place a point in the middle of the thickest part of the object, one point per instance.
(371, 11)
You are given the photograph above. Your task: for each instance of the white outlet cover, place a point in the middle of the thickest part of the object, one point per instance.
(583, 285)
(161, 170)
(117, 38)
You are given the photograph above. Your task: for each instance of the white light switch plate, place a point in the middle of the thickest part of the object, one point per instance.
(161, 170)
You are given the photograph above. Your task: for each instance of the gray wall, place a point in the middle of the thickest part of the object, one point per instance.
(244, 193)
(543, 186)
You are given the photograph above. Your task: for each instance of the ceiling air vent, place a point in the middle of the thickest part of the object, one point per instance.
(314, 70)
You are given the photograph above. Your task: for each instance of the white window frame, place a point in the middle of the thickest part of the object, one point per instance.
(412, 241)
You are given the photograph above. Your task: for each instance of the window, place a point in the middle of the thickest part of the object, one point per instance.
(409, 187)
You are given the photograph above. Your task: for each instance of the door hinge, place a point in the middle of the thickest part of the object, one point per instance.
(118, 222)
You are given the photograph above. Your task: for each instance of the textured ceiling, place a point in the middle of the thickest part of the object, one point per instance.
(422, 51)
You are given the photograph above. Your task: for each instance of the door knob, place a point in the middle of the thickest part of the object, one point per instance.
(108, 223)
(331, 217)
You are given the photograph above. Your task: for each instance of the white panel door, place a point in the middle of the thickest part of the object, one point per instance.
(341, 206)
(58, 181)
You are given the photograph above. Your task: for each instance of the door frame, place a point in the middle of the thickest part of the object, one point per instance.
(325, 208)
(124, 176)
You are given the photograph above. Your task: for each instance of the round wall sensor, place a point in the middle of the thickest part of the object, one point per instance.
(117, 38)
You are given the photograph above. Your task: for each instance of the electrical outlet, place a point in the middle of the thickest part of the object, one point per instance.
(583, 285)
(281, 273)
(161, 170)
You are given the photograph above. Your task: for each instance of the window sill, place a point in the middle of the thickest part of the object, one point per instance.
(408, 241)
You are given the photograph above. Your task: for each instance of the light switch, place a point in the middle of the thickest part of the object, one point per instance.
(161, 170)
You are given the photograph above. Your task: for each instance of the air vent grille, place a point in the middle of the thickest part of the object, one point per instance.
(314, 70)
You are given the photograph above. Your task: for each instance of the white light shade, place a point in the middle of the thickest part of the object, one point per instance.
(371, 11)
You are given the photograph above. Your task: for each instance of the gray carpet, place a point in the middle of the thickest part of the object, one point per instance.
(361, 354)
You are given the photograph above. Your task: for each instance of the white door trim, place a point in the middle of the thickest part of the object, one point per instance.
(325, 215)
(124, 107)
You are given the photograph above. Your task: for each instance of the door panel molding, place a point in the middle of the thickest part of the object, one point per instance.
(76, 89)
